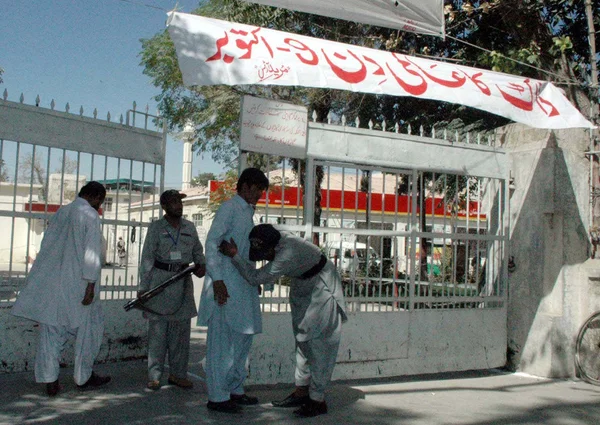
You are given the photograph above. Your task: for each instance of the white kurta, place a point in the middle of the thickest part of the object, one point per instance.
(242, 311)
(69, 258)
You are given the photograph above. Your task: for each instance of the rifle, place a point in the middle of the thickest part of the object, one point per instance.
(139, 301)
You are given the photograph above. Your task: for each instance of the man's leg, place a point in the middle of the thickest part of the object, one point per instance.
(179, 348)
(302, 371)
(321, 354)
(219, 357)
(51, 340)
(157, 348)
(88, 343)
(239, 371)
(302, 381)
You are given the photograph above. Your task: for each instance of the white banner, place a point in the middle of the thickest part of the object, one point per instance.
(214, 52)
(276, 128)
(420, 16)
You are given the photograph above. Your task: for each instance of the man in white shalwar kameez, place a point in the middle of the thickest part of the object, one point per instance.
(62, 291)
(317, 303)
(229, 305)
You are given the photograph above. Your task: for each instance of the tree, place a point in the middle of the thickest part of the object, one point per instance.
(3, 172)
(33, 172)
(545, 40)
(225, 190)
(538, 39)
(202, 179)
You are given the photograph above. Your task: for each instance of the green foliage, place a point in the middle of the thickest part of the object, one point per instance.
(3, 172)
(202, 179)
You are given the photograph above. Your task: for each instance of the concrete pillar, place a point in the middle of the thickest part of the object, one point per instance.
(549, 210)
(187, 137)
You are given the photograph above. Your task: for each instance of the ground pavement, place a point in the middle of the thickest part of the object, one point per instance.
(469, 398)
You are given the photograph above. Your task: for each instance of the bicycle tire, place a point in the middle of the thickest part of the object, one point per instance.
(587, 350)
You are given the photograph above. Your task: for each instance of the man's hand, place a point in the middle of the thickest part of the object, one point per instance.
(229, 249)
(220, 292)
(89, 294)
(200, 270)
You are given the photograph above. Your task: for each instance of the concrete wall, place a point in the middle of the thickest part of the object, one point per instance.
(378, 345)
(124, 338)
(373, 344)
(548, 238)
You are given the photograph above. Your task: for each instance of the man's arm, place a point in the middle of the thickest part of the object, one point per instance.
(92, 246)
(254, 276)
(89, 293)
(198, 255)
(148, 256)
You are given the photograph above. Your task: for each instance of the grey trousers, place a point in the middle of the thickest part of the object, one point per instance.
(172, 336)
(315, 361)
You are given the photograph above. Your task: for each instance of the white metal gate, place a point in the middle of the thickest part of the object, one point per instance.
(411, 222)
(47, 155)
(418, 228)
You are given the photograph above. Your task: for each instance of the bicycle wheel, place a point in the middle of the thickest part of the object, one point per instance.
(587, 354)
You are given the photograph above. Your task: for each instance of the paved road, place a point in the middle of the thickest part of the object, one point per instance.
(473, 398)
(469, 398)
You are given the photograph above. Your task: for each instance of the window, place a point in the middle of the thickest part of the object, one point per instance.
(107, 206)
(197, 219)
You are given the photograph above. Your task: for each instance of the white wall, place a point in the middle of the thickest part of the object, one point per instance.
(390, 344)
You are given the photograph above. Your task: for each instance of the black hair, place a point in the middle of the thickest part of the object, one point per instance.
(93, 190)
(253, 177)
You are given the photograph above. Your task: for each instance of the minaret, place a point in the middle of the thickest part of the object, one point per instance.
(187, 137)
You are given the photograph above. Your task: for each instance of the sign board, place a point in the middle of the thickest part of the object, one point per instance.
(272, 127)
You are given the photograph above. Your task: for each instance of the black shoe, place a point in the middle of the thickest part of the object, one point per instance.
(52, 388)
(244, 400)
(291, 401)
(228, 406)
(312, 408)
(94, 382)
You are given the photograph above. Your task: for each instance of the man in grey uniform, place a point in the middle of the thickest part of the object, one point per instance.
(171, 245)
(318, 307)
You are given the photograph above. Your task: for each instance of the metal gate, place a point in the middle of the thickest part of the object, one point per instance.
(412, 222)
(47, 155)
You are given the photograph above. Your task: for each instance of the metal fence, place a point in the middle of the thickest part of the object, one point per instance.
(38, 177)
(402, 239)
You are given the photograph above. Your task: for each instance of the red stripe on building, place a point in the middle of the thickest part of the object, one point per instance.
(293, 197)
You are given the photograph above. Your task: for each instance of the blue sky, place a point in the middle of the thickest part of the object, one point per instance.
(85, 52)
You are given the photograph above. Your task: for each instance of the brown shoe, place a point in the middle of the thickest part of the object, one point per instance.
(153, 385)
(291, 401)
(244, 399)
(312, 408)
(95, 381)
(52, 388)
(181, 382)
(228, 406)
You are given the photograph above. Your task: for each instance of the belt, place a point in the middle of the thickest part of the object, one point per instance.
(316, 269)
(170, 267)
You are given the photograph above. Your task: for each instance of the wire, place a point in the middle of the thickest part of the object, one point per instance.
(145, 5)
